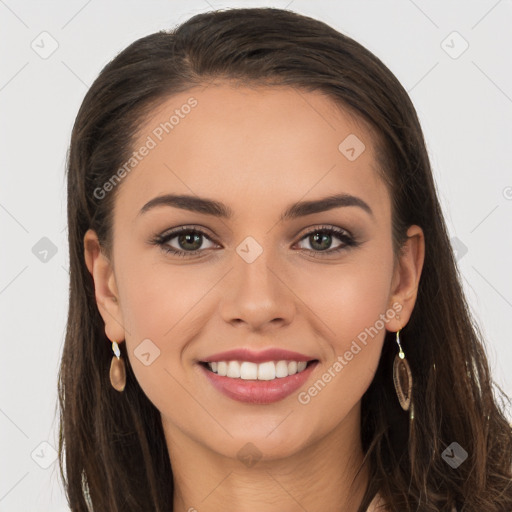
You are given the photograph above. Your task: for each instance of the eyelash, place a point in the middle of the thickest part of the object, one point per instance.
(347, 240)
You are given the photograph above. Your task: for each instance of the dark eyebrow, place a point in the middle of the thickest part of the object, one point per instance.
(217, 209)
(191, 203)
(303, 208)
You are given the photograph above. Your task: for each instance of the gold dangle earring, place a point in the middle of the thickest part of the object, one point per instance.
(402, 377)
(117, 369)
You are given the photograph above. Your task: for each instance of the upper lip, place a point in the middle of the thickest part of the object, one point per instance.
(269, 354)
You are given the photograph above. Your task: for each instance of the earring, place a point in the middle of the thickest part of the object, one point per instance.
(402, 377)
(117, 369)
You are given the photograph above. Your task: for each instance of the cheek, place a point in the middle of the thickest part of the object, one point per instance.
(165, 304)
(353, 305)
(349, 298)
(159, 298)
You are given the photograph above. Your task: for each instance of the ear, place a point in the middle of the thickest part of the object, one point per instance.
(105, 287)
(406, 277)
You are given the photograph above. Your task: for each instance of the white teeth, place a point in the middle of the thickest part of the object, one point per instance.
(267, 371)
(281, 369)
(233, 370)
(248, 370)
(222, 368)
(252, 371)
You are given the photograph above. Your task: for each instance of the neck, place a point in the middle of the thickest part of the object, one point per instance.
(322, 476)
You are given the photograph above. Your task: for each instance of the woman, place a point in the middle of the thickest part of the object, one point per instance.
(265, 311)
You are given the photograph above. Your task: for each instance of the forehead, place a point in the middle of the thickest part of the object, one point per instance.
(270, 144)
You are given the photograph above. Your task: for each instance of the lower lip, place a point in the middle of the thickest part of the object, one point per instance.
(259, 391)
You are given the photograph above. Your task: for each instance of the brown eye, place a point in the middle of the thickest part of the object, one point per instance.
(321, 240)
(186, 241)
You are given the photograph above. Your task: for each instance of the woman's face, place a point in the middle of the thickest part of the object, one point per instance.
(250, 279)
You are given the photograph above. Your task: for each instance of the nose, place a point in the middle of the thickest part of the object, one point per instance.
(256, 294)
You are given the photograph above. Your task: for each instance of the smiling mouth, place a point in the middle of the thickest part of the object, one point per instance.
(266, 371)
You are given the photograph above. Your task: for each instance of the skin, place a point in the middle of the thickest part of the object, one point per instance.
(257, 150)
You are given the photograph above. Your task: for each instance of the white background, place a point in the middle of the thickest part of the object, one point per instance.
(464, 104)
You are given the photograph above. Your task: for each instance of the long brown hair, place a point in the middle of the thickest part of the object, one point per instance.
(112, 443)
